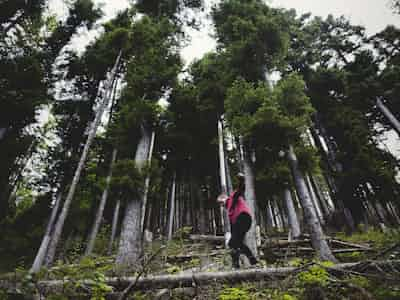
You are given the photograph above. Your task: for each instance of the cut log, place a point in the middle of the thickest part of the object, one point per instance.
(204, 278)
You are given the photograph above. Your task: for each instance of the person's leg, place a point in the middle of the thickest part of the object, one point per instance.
(234, 244)
(244, 220)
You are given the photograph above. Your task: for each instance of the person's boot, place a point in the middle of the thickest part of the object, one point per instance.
(235, 253)
(252, 259)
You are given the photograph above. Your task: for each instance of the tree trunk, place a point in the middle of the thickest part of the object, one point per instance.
(130, 243)
(2, 133)
(92, 133)
(172, 208)
(37, 264)
(250, 196)
(147, 182)
(223, 178)
(314, 200)
(324, 204)
(317, 236)
(389, 116)
(114, 226)
(270, 217)
(100, 210)
(292, 215)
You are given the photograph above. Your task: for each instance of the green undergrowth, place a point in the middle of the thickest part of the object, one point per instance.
(373, 237)
(314, 280)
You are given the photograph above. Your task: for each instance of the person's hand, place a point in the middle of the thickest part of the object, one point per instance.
(222, 198)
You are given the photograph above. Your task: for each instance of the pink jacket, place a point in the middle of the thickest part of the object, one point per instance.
(241, 207)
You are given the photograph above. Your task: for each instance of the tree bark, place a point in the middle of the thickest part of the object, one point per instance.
(223, 178)
(389, 116)
(314, 200)
(317, 236)
(250, 196)
(292, 214)
(100, 210)
(324, 204)
(114, 226)
(130, 243)
(92, 133)
(38, 262)
(172, 208)
(2, 133)
(147, 182)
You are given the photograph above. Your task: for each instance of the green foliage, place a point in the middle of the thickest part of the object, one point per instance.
(377, 238)
(252, 34)
(315, 275)
(234, 293)
(242, 102)
(127, 180)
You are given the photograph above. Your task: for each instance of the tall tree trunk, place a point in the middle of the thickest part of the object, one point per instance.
(314, 200)
(2, 133)
(250, 196)
(147, 182)
(389, 116)
(38, 262)
(292, 214)
(223, 178)
(114, 226)
(100, 210)
(270, 216)
(324, 204)
(130, 243)
(171, 208)
(317, 236)
(92, 133)
(201, 213)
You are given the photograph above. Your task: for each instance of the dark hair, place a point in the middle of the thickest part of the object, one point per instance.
(239, 192)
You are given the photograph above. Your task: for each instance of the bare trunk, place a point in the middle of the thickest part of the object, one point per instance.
(114, 226)
(100, 210)
(314, 200)
(130, 243)
(147, 182)
(223, 177)
(2, 133)
(388, 114)
(292, 215)
(324, 204)
(172, 208)
(270, 217)
(250, 196)
(38, 263)
(92, 133)
(317, 236)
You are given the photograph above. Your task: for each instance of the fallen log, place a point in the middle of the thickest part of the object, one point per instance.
(185, 257)
(204, 278)
(308, 249)
(207, 238)
(348, 244)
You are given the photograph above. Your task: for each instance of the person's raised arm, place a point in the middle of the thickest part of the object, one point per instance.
(222, 199)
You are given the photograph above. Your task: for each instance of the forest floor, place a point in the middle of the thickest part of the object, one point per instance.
(193, 267)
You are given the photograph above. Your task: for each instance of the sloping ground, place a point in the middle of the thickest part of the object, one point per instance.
(200, 268)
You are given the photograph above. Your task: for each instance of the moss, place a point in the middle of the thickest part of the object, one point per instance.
(234, 293)
(315, 275)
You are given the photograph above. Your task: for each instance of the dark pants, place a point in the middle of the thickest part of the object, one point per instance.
(238, 231)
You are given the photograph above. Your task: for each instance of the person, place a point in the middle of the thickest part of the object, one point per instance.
(240, 219)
